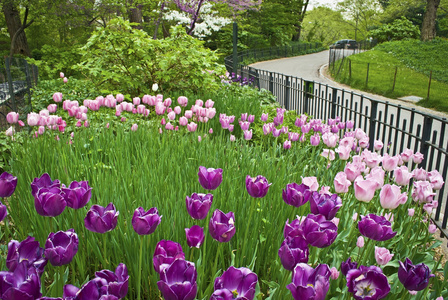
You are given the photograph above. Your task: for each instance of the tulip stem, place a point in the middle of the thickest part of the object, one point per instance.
(104, 251)
(61, 282)
(248, 224)
(139, 279)
(191, 254)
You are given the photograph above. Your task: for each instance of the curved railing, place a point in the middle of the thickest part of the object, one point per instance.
(397, 126)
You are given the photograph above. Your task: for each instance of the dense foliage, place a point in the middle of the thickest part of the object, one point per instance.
(399, 29)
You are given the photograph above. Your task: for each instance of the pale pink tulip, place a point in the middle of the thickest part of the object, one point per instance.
(382, 255)
(389, 163)
(423, 192)
(435, 179)
(57, 97)
(209, 103)
(341, 183)
(378, 145)
(12, 117)
(167, 102)
(334, 273)
(377, 175)
(191, 127)
(417, 157)
(33, 119)
(391, 196)
(232, 138)
(134, 127)
(364, 189)
(247, 134)
(136, 100)
(402, 176)
(183, 101)
(311, 182)
(360, 241)
(65, 80)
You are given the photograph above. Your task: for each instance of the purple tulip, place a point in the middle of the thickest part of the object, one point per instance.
(23, 283)
(375, 227)
(296, 195)
(61, 247)
(326, 205)
(3, 211)
(8, 184)
(319, 232)
(209, 178)
(77, 194)
(221, 226)
(145, 223)
(258, 186)
(195, 236)
(165, 253)
(348, 265)
(178, 281)
(240, 282)
(27, 250)
(414, 277)
(117, 282)
(367, 283)
(294, 229)
(309, 283)
(49, 202)
(101, 219)
(293, 250)
(198, 205)
(43, 181)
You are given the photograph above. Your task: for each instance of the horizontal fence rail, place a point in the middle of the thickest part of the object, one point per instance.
(397, 126)
(17, 78)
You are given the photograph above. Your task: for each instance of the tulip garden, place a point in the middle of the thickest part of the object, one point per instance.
(217, 196)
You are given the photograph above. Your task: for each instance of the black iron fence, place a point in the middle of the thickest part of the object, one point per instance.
(401, 126)
(17, 77)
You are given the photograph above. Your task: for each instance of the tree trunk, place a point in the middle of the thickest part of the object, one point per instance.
(300, 18)
(136, 16)
(429, 20)
(19, 43)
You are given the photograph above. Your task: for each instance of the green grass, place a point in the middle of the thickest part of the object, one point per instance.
(409, 80)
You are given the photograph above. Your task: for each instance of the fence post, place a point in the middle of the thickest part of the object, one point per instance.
(271, 82)
(10, 83)
(305, 96)
(374, 109)
(367, 77)
(395, 78)
(334, 96)
(287, 91)
(429, 86)
(426, 135)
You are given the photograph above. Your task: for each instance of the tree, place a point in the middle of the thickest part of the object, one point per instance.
(16, 29)
(429, 20)
(362, 15)
(299, 8)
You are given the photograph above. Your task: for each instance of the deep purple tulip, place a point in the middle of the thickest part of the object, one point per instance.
(27, 250)
(8, 184)
(43, 181)
(93, 289)
(294, 229)
(198, 205)
(258, 186)
(221, 226)
(348, 265)
(240, 282)
(326, 205)
(77, 194)
(296, 195)
(178, 281)
(61, 247)
(3, 211)
(293, 251)
(101, 219)
(195, 236)
(117, 282)
(145, 222)
(375, 227)
(165, 253)
(224, 294)
(49, 202)
(308, 283)
(319, 232)
(414, 277)
(23, 283)
(367, 283)
(210, 178)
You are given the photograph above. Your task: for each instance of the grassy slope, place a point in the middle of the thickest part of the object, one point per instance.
(414, 61)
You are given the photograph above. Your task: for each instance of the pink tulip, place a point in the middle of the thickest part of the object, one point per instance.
(247, 134)
(183, 101)
(199, 138)
(341, 183)
(382, 255)
(360, 134)
(349, 124)
(41, 130)
(209, 103)
(419, 174)
(199, 102)
(432, 228)
(391, 196)
(311, 182)
(329, 154)
(57, 97)
(33, 119)
(231, 127)
(86, 123)
(123, 119)
(210, 112)
(192, 127)
(177, 110)
(20, 122)
(330, 139)
(119, 98)
(423, 192)
(378, 145)
(347, 141)
(171, 115)
(136, 100)
(364, 189)
(402, 176)
(61, 75)
(334, 273)
(287, 144)
(315, 139)
(107, 125)
(141, 109)
(12, 117)
(417, 157)
(169, 126)
(183, 121)
(134, 127)
(411, 212)
(232, 138)
(344, 152)
(167, 102)
(293, 136)
(160, 108)
(52, 108)
(390, 162)
(352, 170)
(435, 179)
(210, 131)
(377, 175)
(10, 131)
(264, 117)
(65, 80)
(360, 242)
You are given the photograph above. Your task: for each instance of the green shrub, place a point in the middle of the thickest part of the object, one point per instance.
(399, 29)
(119, 58)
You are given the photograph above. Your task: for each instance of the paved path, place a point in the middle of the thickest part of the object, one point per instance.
(313, 67)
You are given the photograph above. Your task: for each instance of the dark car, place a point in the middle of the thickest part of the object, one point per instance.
(344, 44)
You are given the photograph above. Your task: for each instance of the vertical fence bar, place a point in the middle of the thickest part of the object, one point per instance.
(429, 85)
(287, 91)
(271, 82)
(334, 99)
(12, 97)
(426, 135)
(395, 78)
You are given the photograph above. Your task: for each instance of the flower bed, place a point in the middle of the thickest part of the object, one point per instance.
(183, 201)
